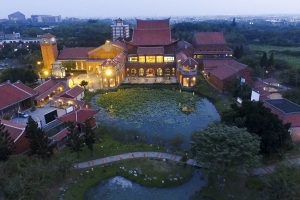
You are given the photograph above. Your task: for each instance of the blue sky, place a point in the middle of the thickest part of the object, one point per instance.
(148, 8)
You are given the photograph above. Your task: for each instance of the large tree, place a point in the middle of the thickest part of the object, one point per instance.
(264, 60)
(223, 148)
(6, 143)
(40, 144)
(75, 142)
(261, 121)
(89, 137)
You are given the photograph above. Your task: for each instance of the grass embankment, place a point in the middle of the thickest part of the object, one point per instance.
(220, 100)
(107, 146)
(156, 170)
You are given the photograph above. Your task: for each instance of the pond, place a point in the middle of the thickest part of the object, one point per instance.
(121, 188)
(156, 112)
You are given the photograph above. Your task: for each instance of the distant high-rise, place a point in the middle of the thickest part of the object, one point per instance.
(119, 30)
(17, 16)
(45, 18)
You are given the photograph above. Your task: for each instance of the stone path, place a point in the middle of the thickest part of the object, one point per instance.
(159, 155)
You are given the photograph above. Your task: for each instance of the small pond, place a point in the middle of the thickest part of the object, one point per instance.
(119, 188)
(156, 112)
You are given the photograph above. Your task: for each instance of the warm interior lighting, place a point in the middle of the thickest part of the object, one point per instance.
(46, 73)
(108, 72)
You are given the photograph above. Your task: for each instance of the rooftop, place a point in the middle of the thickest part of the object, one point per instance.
(75, 53)
(208, 38)
(284, 105)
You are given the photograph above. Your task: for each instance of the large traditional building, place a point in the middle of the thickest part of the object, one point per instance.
(152, 52)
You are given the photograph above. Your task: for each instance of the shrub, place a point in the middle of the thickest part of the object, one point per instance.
(255, 183)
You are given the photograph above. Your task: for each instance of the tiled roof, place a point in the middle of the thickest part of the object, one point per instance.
(25, 88)
(49, 91)
(15, 129)
(75, 53)
(150, 50)
(152, 24)
(116, 60)
(60, 135)
(75, 91)
(189, 62)
(223, 69)
(11, 94)
(259, 84)
(271, 81)
(79, 116)
(47, 35)
(180, 56)
(204, 38)
(119, 44)
(152, 37)
(45, 86)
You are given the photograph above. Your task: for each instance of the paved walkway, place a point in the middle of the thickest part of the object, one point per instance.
(159, 155)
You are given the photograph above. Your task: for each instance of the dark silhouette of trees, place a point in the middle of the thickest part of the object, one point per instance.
(6, 143)
(40, 144)
(75, 142)
(264, 60)
(89, 137)
(261, 121)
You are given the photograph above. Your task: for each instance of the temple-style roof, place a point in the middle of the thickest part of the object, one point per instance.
(15, 130)
(79, 116)
(189, 62)
(152, 37)
(209, 38)
(150, 50)
(116, 60)
(152, 24)
(75, 53)
(180, 56)
(71, 92)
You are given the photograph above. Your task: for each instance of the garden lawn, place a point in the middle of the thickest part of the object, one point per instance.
(81, 180)
(106, 146)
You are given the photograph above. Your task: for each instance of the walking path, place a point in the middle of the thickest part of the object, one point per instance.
(159, 155)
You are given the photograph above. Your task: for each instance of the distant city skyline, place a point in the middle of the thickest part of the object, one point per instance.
(153, 8)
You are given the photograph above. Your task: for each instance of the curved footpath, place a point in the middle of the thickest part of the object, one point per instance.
(159, 155)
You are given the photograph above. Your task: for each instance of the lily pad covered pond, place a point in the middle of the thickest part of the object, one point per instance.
(156, 112)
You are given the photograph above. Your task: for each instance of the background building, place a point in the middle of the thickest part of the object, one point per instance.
(119, 30)
(16, 16)
(45, 18)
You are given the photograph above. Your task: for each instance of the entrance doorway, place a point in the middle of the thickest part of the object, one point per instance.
(150, 72)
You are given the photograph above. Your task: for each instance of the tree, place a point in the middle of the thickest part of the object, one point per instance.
(84, 83)
(233, 22)
(264, 60)
(225, 148)
(6, 143)
(261, 121)
(242, 90)
(284, 184)
(74, 141)
(271, 61)
(89, 137)
(39, 143)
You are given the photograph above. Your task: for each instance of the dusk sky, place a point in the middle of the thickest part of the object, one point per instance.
(147, 8)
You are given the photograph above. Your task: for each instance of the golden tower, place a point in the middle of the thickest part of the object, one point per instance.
(49, 50)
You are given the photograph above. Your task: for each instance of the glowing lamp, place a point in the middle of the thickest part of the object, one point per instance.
(108, 72)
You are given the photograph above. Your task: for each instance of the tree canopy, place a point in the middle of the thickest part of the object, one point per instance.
(6, 143)
(75, 143)
(261, 121)
(40, 144)
(223, 148)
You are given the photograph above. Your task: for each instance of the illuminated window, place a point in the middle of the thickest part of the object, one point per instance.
(150, 59)
(133, 72)
(167, 71)
(159, 59)
(193, 81)
(169, 59)
(142, 59)
(132, 59)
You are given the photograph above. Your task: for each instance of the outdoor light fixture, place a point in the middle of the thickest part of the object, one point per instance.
(46, 73)
(108, 72)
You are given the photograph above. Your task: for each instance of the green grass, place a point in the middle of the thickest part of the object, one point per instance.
(106, 146)
(152, 168)
(279, 53)
(235, 184)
